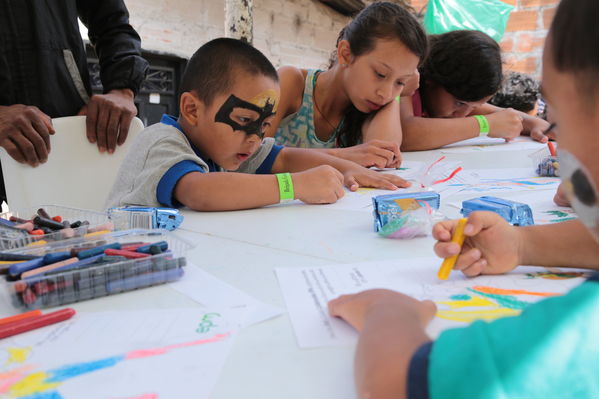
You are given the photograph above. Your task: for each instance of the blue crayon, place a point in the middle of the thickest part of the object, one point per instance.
(7, 222)
(56, 257)
(148, 249)
(18, 268)
(97, 250)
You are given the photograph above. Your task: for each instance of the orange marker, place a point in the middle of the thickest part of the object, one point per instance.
(21, 316)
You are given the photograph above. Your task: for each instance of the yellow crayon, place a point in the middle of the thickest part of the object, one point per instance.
(458, 237)
(97, 233)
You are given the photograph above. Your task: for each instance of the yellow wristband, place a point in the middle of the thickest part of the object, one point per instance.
(483, 123)
(285, 187)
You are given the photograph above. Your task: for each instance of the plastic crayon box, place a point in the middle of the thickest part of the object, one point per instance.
(81, 222)
(392, 206)
(103, 274)
(516, 213)
(137, 217)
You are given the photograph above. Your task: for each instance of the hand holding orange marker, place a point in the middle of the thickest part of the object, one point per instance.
(458, 237)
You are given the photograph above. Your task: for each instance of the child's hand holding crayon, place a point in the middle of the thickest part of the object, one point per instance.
(491, 245)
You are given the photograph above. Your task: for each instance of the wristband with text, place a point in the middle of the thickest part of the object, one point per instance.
(483, 123)
(285, 187)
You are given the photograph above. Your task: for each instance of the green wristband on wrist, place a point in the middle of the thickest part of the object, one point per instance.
(483, 123)
(285, 187)
(398, 99)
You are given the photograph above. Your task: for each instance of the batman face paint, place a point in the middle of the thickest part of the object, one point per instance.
(263, 105)
(580, 190)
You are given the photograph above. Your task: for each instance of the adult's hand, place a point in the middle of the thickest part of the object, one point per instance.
(25, 133)
(108, 118)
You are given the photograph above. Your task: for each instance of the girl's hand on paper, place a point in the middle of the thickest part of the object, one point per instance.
(356, 309)
(492, 245)
(379, 153)
(362, 177)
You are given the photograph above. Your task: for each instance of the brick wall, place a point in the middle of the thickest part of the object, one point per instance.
(525, 34)
(296, 32)
(303, 32)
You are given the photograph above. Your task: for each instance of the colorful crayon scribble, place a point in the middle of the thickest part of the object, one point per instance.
(25, 382)
(556, 276)
(486, 303)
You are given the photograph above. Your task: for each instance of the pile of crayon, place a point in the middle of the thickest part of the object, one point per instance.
(548, 167)
(44, 226)
(86, 271)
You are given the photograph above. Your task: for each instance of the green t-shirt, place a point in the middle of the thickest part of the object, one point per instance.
(550, 351)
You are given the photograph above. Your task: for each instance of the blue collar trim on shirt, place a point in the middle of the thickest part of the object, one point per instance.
(171, 121)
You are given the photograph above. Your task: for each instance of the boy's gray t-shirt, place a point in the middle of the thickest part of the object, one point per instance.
(156, 150)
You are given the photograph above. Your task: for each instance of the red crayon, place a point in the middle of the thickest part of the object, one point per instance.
(35, 322)
(126, 254)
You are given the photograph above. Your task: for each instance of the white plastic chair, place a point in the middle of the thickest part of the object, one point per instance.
(75, 175)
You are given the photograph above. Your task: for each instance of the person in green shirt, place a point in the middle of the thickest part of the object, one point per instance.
(551, 350)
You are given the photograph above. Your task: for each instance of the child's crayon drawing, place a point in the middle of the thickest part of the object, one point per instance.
(30, 381)
(556, 275)
(556, 216)
(494, 185)
(119, 355)
(486, 303)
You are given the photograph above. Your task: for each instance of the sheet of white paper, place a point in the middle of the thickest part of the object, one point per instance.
(212, 292)
(491, 144)
(499, 181)
(307, 291)
(144, 354)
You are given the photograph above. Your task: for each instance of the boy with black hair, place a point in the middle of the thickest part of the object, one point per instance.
(518, 91)
(551, 350)
(230, 96)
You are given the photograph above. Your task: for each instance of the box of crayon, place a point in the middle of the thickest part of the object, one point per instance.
(390, 207)
(48, 223)
(515, 213)
(83, 268)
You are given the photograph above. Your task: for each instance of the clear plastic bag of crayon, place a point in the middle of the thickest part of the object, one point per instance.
(544, 163)
(48, 223)
(85, 268)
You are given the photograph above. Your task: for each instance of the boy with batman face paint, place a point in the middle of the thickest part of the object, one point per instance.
(549, 351)
(230, 94)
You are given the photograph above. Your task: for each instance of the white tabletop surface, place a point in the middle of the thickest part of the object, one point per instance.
(244, 247)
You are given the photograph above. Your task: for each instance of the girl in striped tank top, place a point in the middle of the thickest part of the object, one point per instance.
(351, 110)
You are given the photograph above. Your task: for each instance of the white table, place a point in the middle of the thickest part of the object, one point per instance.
(243, 248)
